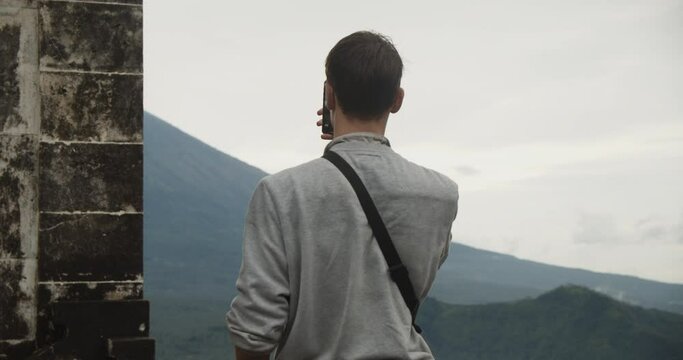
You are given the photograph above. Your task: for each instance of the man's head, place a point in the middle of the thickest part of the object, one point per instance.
(364, 70)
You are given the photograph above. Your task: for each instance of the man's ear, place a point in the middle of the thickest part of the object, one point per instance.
(330, 97)
(398, 101)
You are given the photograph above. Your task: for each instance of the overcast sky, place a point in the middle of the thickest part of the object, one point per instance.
(561, 121)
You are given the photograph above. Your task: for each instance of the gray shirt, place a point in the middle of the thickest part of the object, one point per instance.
(313, 281)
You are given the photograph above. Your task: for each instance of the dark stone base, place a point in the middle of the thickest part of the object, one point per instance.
(16, 351)
(53, 292)
(131, 348)
(96, 329)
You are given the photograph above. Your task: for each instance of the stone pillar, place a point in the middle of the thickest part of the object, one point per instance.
(71, 148)
(19, 144)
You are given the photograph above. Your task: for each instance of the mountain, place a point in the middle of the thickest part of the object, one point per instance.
(194, 203)
(195, 199)
(474, 276)
(570, 322)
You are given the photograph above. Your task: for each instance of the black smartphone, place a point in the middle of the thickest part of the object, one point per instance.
(327, 123)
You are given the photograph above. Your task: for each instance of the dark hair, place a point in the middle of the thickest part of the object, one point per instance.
(365, 71)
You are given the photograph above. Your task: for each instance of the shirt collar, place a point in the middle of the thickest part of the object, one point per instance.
(367, 137)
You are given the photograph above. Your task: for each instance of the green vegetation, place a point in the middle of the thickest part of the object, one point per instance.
(570, 322)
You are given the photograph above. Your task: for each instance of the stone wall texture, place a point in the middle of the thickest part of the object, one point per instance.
(71, 180)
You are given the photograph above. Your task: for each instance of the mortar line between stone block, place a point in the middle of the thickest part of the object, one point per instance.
(91, 282)
(67, 71)
(15, 341)
(18, 259)
(68, 142)
(98, 2)
(117, 213)
(19, 134)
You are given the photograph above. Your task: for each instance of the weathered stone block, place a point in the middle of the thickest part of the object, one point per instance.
(18, 71)
(9, 78)
(17, 306)
(90, 247)
(91, 36)
(90, 177)
(132, 2)
(18, 196)
(19, 3)
(67, 291)
(91, 107)
(50, 292)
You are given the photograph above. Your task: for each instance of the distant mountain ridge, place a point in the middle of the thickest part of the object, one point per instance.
(570, 322)
(195, 200)
(474, 276)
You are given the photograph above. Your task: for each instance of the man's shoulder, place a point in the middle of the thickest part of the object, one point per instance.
(317, 172)
(305, 172)
(435, 177)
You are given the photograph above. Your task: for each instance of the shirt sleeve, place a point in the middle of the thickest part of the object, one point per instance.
(258, 313)
(444, 252)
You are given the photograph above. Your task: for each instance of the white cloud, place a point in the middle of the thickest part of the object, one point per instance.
(652, 229)
(678, 230)
(596, 228)
(501, 165)
(466, 170)
(539, 110)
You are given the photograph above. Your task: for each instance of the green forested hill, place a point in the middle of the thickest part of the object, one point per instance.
(570, 322)
(195, 198)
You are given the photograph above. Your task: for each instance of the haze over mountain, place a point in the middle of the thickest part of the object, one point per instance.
(195, 200)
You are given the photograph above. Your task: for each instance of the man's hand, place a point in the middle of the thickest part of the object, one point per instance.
(247, 355)
(320, 123)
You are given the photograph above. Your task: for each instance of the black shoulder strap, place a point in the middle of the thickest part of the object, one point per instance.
(397, 270)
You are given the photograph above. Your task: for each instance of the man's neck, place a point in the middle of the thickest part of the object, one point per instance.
(344, 125)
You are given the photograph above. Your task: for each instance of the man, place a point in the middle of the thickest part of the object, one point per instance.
(314, 283)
